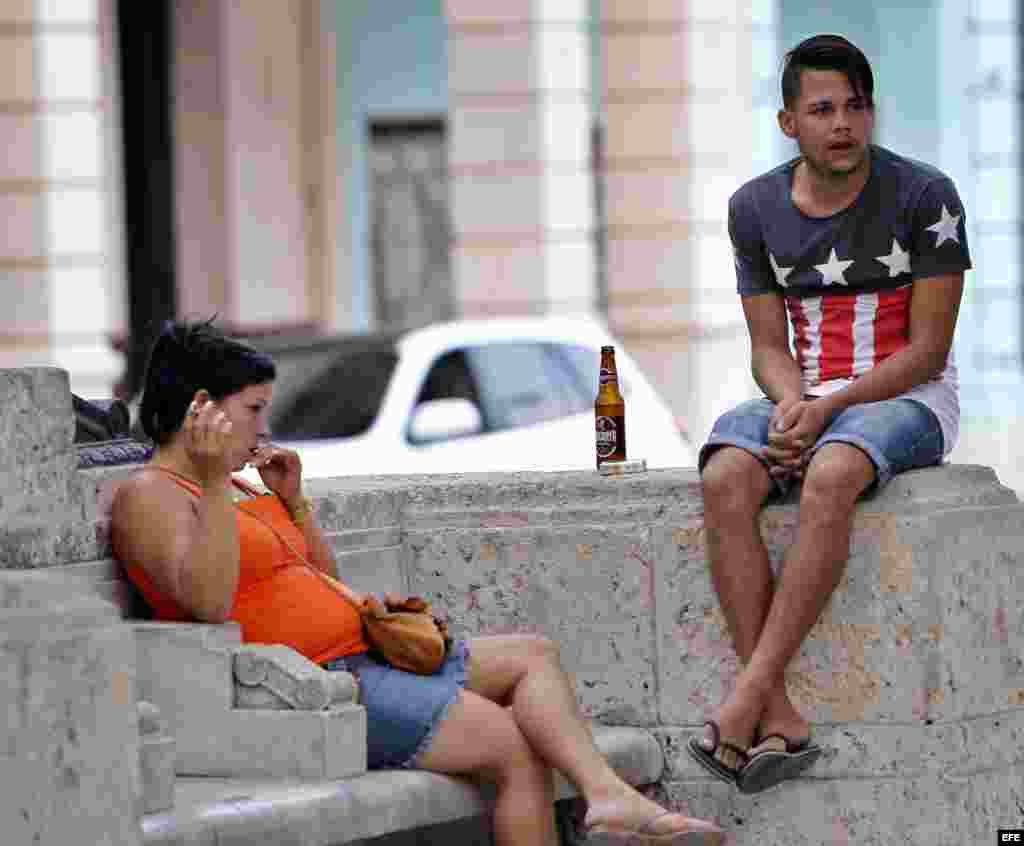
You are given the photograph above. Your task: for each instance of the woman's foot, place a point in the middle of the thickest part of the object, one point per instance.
(634, 812)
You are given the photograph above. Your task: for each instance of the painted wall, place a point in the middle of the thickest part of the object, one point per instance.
(392, 62)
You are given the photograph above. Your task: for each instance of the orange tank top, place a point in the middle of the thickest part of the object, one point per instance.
(279, 599)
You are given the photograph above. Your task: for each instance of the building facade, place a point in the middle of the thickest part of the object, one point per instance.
(343, 165)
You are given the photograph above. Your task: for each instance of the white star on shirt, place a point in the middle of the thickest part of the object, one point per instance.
(898, 261)
(945, 228)
(780, 272)
(832, 271)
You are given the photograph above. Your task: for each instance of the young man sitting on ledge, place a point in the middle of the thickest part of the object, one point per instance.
(865, 251)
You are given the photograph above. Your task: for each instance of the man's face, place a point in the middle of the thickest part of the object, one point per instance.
(830, 122)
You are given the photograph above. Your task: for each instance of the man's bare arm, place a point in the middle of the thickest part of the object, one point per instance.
(772, 363)
(934, 306)
(775, 370)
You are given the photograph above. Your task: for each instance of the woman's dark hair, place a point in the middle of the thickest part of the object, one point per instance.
(827, 52)
(186, 357)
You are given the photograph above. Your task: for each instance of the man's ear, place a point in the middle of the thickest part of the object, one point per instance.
(201, 397)
(787, 123)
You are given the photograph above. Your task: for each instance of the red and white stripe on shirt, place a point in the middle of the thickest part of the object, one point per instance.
(841, 336)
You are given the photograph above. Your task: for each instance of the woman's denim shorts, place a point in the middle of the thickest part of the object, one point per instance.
(403, 710)
(897, 434)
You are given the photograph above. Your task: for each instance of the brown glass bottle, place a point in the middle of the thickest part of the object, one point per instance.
(609, 412)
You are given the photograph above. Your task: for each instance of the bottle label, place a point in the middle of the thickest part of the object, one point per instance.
(607, 376)
(607, 433)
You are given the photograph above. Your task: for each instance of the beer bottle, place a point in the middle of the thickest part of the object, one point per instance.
(609, 412)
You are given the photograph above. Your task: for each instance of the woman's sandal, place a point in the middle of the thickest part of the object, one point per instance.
(714, 761)
(701, 834)
(779, 760)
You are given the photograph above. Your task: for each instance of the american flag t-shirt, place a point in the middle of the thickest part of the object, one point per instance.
(842, 336)
(847, 279)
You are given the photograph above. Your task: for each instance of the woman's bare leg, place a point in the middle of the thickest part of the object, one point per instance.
(497, 752)
(524, 673)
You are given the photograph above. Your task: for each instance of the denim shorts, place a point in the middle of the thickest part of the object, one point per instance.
(896, 434)
(403, 710)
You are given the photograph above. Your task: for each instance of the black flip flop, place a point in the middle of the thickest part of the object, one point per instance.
(710, 761)
(772, 766)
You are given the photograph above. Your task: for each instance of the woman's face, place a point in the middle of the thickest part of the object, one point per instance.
(247, 410)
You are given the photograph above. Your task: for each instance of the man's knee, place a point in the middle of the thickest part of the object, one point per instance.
(836, 476)
(734, 481)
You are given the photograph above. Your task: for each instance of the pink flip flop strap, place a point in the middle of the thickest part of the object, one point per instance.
(648, 827)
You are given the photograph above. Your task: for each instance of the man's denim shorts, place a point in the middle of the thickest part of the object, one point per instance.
(897, 435)
(403, 710)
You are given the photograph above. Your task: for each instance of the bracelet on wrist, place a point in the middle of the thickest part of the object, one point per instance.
(299, 510)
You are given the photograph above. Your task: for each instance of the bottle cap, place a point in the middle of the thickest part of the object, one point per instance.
(622, 468)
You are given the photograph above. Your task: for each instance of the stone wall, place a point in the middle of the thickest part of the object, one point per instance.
(47, 509)
(912, 677)
(71, 745)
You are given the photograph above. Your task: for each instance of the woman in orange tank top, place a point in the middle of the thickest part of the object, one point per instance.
(202, 545)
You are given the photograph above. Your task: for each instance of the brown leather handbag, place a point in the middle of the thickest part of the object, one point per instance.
(403, 632)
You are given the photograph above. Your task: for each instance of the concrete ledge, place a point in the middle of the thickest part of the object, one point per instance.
(952, 751)
(210, 812)
(913, 676)
(156, 760)
(70, 735)
(916, 810)
(105, 578)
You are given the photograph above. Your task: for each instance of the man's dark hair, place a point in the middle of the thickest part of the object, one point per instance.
(187, 357)
(827, 52)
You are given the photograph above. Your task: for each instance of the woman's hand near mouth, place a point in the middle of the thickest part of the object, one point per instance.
(280, 469)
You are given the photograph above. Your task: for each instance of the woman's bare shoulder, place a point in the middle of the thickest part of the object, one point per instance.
(149, 493)
(151, 522)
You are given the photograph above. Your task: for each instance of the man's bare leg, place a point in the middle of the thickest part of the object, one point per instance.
(735, 485)
(834, 480)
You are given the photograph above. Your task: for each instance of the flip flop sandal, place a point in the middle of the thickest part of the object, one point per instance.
(772, 766)
(645, 835)
(712, 761)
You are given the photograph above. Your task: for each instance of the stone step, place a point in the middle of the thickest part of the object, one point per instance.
(210, 811)
(932, 809)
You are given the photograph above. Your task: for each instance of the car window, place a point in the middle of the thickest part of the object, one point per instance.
(449, 378)
(586, 363)
(524, 383)
(338, 400)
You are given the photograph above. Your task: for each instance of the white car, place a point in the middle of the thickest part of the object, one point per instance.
(466, 396)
